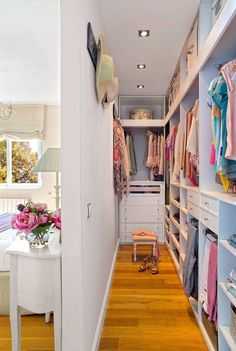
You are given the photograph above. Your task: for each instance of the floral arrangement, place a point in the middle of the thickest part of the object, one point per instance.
(36, 218)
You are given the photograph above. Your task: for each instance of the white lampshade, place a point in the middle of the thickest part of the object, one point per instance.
(50, 161)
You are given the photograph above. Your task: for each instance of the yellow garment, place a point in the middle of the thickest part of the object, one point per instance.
(225, 181)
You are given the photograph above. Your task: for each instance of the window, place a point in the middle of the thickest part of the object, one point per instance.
(17, 159)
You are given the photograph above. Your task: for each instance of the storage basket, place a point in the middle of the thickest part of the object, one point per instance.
(141, 113)
(233, 322)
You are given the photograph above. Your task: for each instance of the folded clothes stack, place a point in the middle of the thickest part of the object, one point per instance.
(231, 282)
(232, 240)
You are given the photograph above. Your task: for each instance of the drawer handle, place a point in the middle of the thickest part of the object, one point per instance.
(206, 203)
(191, 209)
(158, 210)
(206, 219)
(191, 196)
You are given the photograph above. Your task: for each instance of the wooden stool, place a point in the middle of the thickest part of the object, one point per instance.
(144, 237)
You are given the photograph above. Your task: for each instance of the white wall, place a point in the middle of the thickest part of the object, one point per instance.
(88, 245)
(52, 139)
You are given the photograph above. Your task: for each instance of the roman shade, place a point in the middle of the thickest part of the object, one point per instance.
(26, 122)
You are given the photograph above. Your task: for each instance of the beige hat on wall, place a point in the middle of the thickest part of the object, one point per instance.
(104, 69)
(111, 92)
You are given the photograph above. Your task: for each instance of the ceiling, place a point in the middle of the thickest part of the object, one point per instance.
(169, 23)
(30, 51)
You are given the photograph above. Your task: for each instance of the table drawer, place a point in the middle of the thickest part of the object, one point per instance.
(209, 220)
(210, 204)
(131, 200)
(193, 197)
(193, 210)
(144, 214)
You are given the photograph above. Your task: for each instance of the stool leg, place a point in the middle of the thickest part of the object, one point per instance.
(135, 253)
(154, 250)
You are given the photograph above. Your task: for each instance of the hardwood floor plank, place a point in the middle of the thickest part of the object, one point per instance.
(148, 312)
(36, 334)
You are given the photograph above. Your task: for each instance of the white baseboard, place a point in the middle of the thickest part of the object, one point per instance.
(102, 315)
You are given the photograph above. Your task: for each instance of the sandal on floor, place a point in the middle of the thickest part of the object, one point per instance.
(143, 267)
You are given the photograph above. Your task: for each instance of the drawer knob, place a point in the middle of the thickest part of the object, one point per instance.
(191, 209)
(191, 196)
(206, 203)
(205, 219)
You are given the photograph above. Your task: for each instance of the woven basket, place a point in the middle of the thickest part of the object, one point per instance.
(141, 113)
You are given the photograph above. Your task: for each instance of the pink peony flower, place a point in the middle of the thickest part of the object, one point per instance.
(44, 218)
(26, 210)
(25, 222)
(56, 217)
(40, 207)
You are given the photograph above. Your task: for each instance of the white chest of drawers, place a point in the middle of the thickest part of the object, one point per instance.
(142, 210)
(35, 284)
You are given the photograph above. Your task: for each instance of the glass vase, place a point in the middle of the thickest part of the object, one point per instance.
(39, 240)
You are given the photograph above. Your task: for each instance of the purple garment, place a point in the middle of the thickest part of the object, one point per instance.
(212, 283)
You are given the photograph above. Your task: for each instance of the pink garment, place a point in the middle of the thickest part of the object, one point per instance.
(229, 73)
(213, 155)
(212, 283)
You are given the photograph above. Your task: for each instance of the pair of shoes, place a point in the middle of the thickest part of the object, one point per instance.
(150, 262)
(145, 264)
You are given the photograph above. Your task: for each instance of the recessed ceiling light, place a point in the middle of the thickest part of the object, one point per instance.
(144, 33)
(141, 66)
(140, 86)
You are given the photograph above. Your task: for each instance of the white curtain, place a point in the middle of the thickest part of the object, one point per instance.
(26, 122)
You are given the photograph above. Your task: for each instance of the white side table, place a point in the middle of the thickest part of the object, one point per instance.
(35, 284)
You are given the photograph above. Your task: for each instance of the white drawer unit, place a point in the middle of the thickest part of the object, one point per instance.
(128, 228)
(142, 211)
(193, 197)
(210, 204)
(210, 221)
(146, 214)
(193, 210)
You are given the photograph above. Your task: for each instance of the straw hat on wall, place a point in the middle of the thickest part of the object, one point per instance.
(104, 69)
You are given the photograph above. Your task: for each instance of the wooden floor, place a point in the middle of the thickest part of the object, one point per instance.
(145, 313)
(36, 335)
(148, 312)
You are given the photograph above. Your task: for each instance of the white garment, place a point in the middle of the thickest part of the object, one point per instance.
(204, 274)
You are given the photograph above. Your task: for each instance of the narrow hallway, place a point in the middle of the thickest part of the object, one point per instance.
(148, 312)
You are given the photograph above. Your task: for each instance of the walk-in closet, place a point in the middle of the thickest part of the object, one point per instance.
(118, 175)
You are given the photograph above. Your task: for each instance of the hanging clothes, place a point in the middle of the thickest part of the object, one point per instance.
(177, 151)
(192, 145)
(190, 265)
(219, 102)
(131, 155)
(212, 283)
(229, 73)
(154, 156)
(120, 159)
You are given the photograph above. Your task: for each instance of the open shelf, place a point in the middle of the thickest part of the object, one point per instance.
(147, 123)
(184, 210)
(174, 240)
(227, 246)
(228, 294)
(173, 257)
(175, 203)
(176, 224)
(228, 338)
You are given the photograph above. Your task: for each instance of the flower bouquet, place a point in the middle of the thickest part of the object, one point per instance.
(36, 221)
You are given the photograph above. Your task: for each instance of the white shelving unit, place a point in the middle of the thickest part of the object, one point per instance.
(142, 208)
(209, 203)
